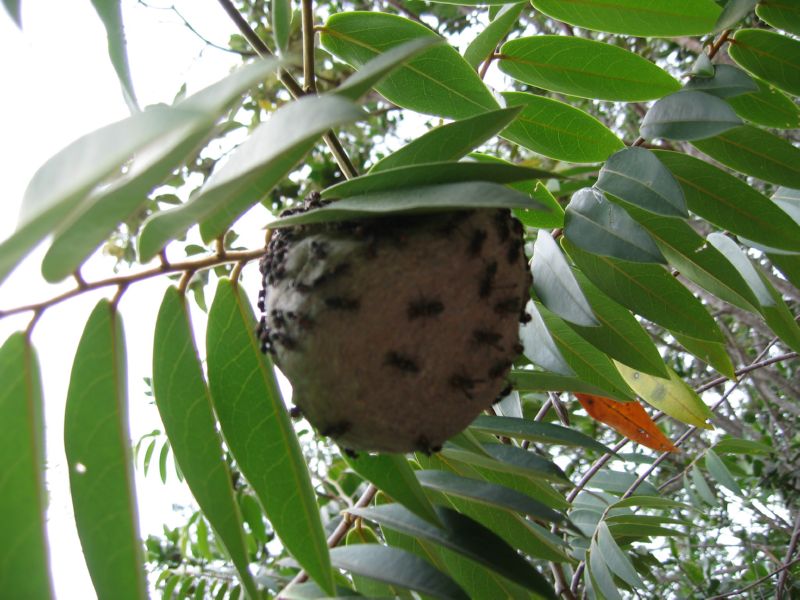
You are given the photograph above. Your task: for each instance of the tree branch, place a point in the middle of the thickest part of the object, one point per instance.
(786, 560)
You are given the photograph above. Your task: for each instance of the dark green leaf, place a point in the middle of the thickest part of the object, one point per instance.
(184, 404)
(781, 15)
(641, 530)
(618, 482)
(702, 67)
(596, 225)
(432, 174)
(584, 68)
(392, 474)
(538, 381)
(619, 334)
(556, 286)
(712, 353)
(697, 260)
(737, 446)
(380, 67)
(734, 11)
(730, 203)
(483, 492)
(396, 567)
(435, 198)
(743, 265)
(463, 535)
(23, 554)
(702, 487)
(600, 575)
(720, 472)
(615, 558)
(539, 346)
(251, 170)
(755, 152)
(590, 365)
(281, 13)
(438, 82)
(14, 10)
(509, 459)
(688, 115)
(768, 107)
(728, 81)
(558, 130)
(769, 56)
(656, 18)
(97, 446)
(541, 194)
(636, 176)
(648, 290)
(259, 433)
(162, 461)
(534, 431)
(451, 141)
(486, 41)
(650, 502)
(100, 213)
(110, 13)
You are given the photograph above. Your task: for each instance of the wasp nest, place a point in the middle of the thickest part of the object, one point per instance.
(395, 332)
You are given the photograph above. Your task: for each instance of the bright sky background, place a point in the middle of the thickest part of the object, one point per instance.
(58, 85)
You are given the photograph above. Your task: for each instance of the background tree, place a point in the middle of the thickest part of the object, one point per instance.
(667, 134)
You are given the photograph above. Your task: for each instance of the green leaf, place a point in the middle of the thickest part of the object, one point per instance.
(743, 265)
(438, 82)
(615, 558)
(702, 66)
(618, 482)
(730, 203)
(434, 198)
(100, 213)
(656, 18)
(381, 66)
(392, 474)
(636, 176)
(720, 472)
(672, 396)
(259, 433)
(558, 130)
(184, 404)
(449, 142)
(712, 353)
(702, 487)
(648, 290)
(590, 365)
(769, 56)
(597, 225)
(432, 174)
(729, 445)
(556, 286)
(396, 567)
(541, 194)
(768, 107)
(650, 502)
(789, 266)
(534, 431)
(508, 459)
(24, 568)
(584, 68)
(600, 575)
(539, 346)
(281, 18)
(59, 185)
(463, 535)
(784, 16)
(619, 334)
(696, 259)
(110, 13)
(688, 115)
(755, 152)
(14, 10)
(727, 82)
(486, 41)
(364, 585)
(734, 11)
(490, 494)
(97, 446)
(538, 381)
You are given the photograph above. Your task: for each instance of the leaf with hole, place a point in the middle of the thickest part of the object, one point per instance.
(24, 562)
(769, 56)
(597, 225)
(250, 172)
(688, 115)
(656, 18)
(259, 433)
(438, 81)
(100, 467)
(558, 130)
(584, 68)
(636, 176)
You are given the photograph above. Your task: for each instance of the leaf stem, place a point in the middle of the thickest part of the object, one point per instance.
(309, 84)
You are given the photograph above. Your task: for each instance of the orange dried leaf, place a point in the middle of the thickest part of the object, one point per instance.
(628, 419)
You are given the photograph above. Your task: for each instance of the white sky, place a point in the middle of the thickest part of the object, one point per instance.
(58, 84)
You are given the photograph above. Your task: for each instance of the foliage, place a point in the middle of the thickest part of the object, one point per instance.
(651, 154)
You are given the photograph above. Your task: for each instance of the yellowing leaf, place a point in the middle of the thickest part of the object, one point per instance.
(672, 396)
(628, 419)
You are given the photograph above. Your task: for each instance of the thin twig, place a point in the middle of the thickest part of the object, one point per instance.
(789, 552)
(717, 45)
(309, 84)
(782, 569)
